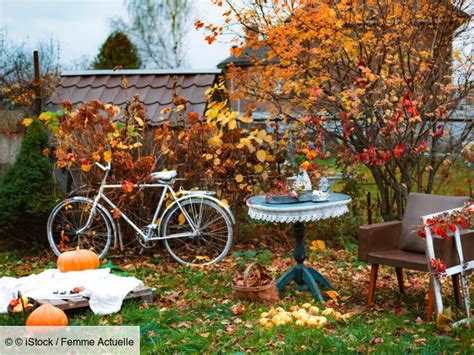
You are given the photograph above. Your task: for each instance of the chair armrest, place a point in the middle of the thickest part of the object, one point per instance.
(446, 248)
(378, 237)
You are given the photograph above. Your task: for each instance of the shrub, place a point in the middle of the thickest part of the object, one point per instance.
(27, 188)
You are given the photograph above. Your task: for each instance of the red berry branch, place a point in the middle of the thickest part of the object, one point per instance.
(447, 222)
(438, 267)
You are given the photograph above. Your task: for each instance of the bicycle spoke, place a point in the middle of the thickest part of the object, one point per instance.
(195, 216)
(213, 221)
(73, 216)
(218, 248)
(212, 239)
(215, 236)
(215, 227)
(68, 221)
(210, 213)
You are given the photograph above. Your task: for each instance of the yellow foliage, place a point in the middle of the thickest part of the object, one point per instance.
(27, 121)
(444, 322)
(332, 295)
(457, 55)
(216, 140)
(245, 119)
(261, 155)
(43, 116)
(317, 244)
(108, 156)
(140, 122)
(232, 124)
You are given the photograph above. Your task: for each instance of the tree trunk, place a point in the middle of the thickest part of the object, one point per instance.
(385, 205)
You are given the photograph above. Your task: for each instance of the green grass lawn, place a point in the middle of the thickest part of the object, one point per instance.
(194, 310)
(458, 180)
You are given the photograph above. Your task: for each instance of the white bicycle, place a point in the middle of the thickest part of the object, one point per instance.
(196, 228)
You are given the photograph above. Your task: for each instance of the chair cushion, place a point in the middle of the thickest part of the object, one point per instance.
(419, 205)
(399, 258)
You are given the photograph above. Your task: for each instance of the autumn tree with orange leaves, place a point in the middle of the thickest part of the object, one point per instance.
(378, 78)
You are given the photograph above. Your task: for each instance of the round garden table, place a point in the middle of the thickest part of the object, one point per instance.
(298, 213)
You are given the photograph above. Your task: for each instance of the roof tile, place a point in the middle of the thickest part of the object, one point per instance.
(101, 80)
(161, 81)
(145, 80)
(108, 96)
(85, 81)
(154, 90)
(69, 81)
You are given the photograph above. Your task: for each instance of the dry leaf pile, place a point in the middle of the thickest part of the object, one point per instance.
(257, 277)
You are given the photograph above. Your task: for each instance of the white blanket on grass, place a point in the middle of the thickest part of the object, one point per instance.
(105, 291)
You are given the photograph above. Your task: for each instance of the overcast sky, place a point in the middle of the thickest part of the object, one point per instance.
(81, 26)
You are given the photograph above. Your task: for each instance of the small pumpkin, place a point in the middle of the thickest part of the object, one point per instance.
(78, 260)
(47, 315)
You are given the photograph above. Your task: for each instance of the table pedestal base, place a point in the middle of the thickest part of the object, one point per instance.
(304, 276)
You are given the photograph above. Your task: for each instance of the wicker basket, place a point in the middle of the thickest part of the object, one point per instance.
(30, 301)
(266, 294)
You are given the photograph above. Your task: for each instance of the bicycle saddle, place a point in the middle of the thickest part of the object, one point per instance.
(164, 175)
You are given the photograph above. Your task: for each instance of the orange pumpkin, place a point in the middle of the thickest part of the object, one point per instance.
(78, 260)
(47, 315)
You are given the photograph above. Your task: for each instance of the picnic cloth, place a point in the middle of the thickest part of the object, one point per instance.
(105, 291)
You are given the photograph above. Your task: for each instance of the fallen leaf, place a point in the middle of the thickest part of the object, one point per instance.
(317, 244)
(444, 323)
(377, 340)
(332, 295)
(238, 309)
(230, 329)
(183, 325)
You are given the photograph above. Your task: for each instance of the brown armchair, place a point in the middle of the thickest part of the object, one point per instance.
(397, 243)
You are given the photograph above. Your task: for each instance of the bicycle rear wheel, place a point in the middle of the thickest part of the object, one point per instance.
(213, 237)
(69, 217)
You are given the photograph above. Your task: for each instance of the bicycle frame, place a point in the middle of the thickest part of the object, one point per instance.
(153, 225)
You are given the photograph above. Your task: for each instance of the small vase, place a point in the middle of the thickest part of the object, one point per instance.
(305, 180)
(324, 184)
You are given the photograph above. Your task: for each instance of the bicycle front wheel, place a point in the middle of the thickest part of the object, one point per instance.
(66, 227)
(208, 243)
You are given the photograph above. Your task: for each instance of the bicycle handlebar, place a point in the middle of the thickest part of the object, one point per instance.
(104, 168)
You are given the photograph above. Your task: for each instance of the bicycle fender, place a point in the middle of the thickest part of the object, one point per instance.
(223, 205)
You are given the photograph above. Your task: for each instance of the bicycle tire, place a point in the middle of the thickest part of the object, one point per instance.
(54, 226)
(222, 219)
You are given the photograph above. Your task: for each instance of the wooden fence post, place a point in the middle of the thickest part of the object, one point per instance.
(37, 103)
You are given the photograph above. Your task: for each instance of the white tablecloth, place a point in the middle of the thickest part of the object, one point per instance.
(105, 291)
(336, 206)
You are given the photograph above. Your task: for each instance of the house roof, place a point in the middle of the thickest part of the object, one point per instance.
(247, 58)
(154, 87)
